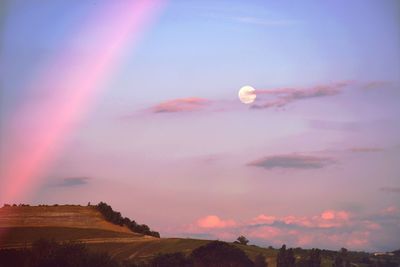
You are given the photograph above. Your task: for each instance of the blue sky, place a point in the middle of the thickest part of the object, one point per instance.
(317, 150)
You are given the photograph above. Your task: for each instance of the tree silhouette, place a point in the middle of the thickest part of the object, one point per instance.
(285, 257)
(217, 254)
(242, 240)
(341, 259)
(116, 218)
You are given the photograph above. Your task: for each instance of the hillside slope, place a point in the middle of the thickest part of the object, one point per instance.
(56, 216)
(21, 225)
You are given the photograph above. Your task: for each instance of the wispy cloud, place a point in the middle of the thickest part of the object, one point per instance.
(266, 98)
(284, 96)
(376, 85)
(73, 181)
(181, 105)
(292, 161)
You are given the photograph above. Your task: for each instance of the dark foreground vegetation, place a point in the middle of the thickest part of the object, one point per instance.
(201, 253)
(45, 253)
(115, 217)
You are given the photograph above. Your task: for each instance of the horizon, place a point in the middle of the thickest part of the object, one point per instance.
(135, 103)
(55, 205)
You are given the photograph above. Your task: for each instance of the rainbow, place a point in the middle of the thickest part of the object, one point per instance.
(74, 79)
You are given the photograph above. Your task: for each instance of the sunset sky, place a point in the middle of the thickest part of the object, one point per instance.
(135, 103)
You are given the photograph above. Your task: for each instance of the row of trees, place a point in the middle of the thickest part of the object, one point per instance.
(313, 259)
(116, 218)
(342, 258)
(15, 205)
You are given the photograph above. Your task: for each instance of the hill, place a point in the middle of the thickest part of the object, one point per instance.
(21, 225)
(72, 216)
(105, 230)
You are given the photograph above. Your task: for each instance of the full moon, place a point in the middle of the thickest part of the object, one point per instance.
(247, 94)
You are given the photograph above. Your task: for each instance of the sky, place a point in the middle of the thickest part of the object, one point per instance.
(135, 103)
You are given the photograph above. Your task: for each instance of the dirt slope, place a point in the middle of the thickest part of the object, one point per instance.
(20, 226)
(56, 216)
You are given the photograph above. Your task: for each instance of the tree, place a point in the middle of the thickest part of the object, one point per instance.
(290, 259)
(341, 259)
(281, 258)
(285, 257)
(315, 258)
(217, 254)
(242, 240)
(115, 217)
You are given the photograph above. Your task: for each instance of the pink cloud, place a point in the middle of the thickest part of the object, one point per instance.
(212, 221)
(264, 232)
(181, 105)
(331, 218)
(372, 225)
(330, 228)
(291, 161)
(285, 96)
(327, 219)
(328, 215)
(358, 239)
(264, 219)
(304, 240)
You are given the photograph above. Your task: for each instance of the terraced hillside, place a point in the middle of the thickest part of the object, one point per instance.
(56, 216)
(21, 225)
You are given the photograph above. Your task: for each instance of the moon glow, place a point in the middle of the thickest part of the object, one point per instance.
(247, 94)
